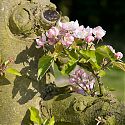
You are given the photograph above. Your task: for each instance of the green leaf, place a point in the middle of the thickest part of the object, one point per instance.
(44, 64)
(46, 122)
(34, 116)
(89, 56)
(105, 52)
(102, 73)
(6, 62)
(67, 68)
(72, 54)
(13, 71)
(49, 121)
(83, 60)
(94, 64)
(52, 121)
(119, 65)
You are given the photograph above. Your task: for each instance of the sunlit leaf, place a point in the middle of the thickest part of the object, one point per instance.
(34, 116)
(89, 56)
(119, 65)
(49, 121)
(52, 121)
(46, 122)
(105, 52)
(6, 62)
(72, 54)
(44, 64)
(94, 64)
(101, 73)
(13, 71)
(82, 60)
(67, 68)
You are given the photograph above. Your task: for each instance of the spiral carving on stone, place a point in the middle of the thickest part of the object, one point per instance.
(32, 18)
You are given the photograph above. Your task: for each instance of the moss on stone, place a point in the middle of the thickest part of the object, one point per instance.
(84, 110)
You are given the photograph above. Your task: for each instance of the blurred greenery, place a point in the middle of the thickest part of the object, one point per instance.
(114, 81)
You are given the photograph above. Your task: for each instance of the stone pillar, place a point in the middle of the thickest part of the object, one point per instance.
(20, 23)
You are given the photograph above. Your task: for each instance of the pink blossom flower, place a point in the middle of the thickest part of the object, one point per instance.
(87, 31)
(69, 26)
(67, 40)
(99, 32)
(52, 32)
(79, 32)
(41, 41)
(52, 41)
(118, 55)
(89, 39)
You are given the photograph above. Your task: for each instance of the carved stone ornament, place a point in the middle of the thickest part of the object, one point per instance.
(21, 21)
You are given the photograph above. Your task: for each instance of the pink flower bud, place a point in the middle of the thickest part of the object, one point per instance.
(53, 32)
(118, 55)
(89, 39)
(99, 32)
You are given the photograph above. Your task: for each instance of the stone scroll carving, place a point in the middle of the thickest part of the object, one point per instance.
(21, 21)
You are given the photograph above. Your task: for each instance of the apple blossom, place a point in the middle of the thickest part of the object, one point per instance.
(99, 32)
(67, 40)
(79, 33)
(87, 31)
(52, 41)
(52, 32)
(69, 26)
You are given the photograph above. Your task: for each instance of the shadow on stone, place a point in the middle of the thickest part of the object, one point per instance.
(27, 85)
(63, 96)
(4, 81)
(26, 119)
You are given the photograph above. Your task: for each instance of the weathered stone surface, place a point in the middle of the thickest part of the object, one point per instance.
(20, 22)
(76, 109)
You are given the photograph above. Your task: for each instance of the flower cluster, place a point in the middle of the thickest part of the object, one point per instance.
(117, 55)
(85, 82)
(67, 32)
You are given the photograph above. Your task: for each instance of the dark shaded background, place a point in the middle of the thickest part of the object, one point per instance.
(110, 14)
